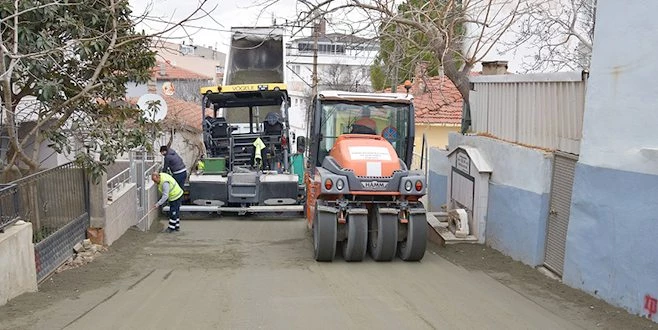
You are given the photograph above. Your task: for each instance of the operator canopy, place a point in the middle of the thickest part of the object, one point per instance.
(236, 96)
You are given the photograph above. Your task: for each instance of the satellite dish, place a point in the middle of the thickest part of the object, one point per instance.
(149, 114)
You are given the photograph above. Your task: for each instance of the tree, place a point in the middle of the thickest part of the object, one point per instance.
(64, 66)
(343, 77)
(398, 57)
(458, 33)
(562, 31)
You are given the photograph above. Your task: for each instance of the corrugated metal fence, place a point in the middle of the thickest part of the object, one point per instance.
(539, 110)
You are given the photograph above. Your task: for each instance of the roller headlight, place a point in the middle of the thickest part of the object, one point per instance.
(340, 184)
(407, 186)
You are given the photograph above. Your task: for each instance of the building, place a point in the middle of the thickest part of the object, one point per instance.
(571, 180)
(200, 60)
(612, 229)
(437, 108)
(343, 63)
(186, 83)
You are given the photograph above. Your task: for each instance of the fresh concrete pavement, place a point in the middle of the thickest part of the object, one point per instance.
(253, 274)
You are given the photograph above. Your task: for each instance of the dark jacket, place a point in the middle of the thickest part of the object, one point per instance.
(173, 162)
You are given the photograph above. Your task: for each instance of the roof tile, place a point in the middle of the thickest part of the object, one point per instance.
(176, 73)
(440, 103)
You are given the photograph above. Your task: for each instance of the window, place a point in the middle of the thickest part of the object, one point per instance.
(391, 121)
(305, 47)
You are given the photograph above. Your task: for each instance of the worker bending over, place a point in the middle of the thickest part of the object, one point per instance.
(171, 192)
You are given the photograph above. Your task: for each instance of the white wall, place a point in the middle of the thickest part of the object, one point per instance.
(621, 117)
(611, 238)
(121, 213)
(513, 165)
(18, 272)
(518, 196)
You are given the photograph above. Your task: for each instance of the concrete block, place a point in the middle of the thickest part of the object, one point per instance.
(18, 272)
(77, 248)
(86, 244)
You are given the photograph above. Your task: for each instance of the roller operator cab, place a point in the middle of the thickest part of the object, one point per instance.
(360, 193)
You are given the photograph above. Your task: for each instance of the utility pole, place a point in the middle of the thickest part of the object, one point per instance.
(315, 58)
(394, 61)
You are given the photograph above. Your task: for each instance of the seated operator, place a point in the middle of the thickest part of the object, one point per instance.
(364, 125)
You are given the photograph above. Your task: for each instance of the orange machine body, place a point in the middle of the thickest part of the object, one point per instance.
(366, 155)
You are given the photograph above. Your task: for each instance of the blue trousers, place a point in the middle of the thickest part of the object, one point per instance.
(174, 214)
(180, 179)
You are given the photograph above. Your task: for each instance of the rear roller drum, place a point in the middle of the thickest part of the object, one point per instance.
(383, 235)
(354, 248)
(413, 247)
(324, 235)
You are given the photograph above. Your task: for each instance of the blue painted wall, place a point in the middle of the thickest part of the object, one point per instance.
(438, 190)
(439, 169)
(612, 241)
(516, 223)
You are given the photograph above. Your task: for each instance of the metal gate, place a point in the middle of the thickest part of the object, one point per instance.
(142, 164)
(56, 202)
(564, 166)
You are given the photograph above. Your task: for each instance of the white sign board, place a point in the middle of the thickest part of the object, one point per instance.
(369, 153)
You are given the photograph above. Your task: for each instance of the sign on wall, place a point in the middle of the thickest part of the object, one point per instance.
(462, 183)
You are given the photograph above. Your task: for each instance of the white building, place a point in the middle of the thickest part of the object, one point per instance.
(343, 63)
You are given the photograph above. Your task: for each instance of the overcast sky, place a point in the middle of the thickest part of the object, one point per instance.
(213, 30)
(227, 14)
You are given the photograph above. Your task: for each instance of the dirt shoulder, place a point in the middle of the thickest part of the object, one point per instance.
(546, 292)
(108, 267)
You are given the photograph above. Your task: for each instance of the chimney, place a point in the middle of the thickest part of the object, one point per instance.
(494, 67)
(420, 73)
(163, 70)
(151, 86)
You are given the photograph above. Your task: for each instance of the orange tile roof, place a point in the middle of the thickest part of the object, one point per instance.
(439, 103)
(183, 112)
(177, 73)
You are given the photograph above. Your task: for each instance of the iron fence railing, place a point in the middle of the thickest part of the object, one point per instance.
(153, 168)
(9, 205)
(53, 198)
(118, 182)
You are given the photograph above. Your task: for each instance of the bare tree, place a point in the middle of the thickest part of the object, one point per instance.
(459, 33)
(343, 77)
(562, 31)
(64, 66)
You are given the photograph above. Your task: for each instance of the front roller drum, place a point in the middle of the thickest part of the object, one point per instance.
(325, 232)
(413, 247)
(354, 248)
(383, 234)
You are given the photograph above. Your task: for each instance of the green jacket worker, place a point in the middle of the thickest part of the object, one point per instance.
(172, 193)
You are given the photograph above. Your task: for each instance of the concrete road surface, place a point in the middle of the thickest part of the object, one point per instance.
(245, 274)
